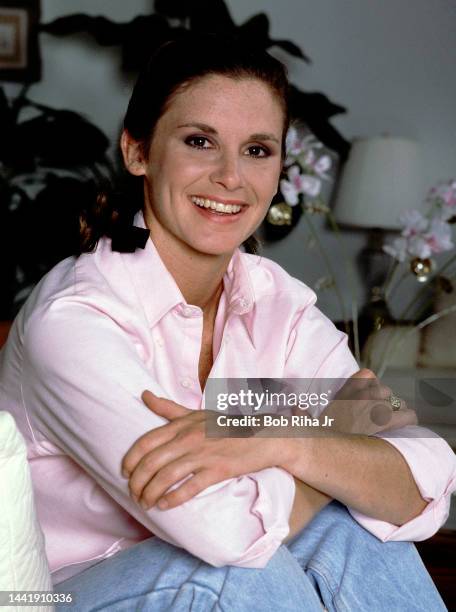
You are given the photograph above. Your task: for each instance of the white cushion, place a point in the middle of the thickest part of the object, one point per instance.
(23, 563)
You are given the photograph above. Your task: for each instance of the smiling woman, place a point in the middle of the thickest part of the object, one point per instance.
(106, 365)
(193, 170)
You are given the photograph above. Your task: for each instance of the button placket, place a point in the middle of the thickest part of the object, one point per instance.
(158, 339)
(192, 329)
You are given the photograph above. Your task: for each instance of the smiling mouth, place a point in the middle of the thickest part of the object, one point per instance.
(218, 207)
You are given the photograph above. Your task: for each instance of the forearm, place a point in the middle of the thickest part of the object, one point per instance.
(307, 503)
(365, 473)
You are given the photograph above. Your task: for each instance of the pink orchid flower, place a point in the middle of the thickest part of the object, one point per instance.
(438, 237)
(298, 184)
(397, 249)
(414, 223)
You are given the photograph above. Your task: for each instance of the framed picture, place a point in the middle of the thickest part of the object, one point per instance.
(19, 50)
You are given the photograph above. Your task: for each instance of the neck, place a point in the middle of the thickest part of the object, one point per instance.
(199, 276)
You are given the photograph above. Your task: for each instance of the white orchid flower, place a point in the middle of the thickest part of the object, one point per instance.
(397, 249)
(322, 165)
(310, 185)
(414, 223)
(438, 237)
(417, 246)
(298, 184)
(291, 188)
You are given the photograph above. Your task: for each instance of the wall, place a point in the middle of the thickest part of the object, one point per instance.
(390, 62)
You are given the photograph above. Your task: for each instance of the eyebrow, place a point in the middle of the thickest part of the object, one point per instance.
(210, 130)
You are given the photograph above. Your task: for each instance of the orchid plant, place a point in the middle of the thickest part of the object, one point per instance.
(306, 166)
(424, 235)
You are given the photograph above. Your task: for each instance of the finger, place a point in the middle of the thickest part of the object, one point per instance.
(387, 419)
(187, 490)
(163, 407)
(149, 466)
(364, 373)
(144, 445)
(362, 379)
(169, 476)
(403, 418)
(375, 392)
(159, 436)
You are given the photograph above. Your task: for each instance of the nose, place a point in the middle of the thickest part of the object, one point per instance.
(228, 172)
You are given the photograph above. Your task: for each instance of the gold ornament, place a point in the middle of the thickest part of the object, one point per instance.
(421, 268)
(280, 214)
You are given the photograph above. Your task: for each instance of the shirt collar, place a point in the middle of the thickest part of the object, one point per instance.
(239, 291)
(159, 292)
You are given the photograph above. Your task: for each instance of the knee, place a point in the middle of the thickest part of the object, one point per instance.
(339, 527)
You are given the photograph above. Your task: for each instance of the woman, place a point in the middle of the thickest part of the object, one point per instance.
(204, 135)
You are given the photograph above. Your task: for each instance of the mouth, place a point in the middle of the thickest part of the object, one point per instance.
(216, 207)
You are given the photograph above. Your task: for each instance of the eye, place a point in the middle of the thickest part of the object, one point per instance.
(258, 151)
(198, 142)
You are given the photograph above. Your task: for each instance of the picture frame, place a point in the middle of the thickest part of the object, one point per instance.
(20, 59)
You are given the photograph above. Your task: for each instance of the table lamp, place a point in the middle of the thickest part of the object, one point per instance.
(380, 179)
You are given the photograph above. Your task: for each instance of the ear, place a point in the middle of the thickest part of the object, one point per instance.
(132, 154)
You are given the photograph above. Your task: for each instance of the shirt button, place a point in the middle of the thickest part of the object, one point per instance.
(188, 312)
(186, 382)
(227, 338)
(243, 303)
(158, 341)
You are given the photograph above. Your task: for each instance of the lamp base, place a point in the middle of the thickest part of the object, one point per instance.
(374, 264)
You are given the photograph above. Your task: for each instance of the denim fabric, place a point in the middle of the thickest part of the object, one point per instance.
(333, 560)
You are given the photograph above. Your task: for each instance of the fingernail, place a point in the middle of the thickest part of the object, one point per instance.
(144, 505)
(125, 474)
(134, 497)
(162, 504)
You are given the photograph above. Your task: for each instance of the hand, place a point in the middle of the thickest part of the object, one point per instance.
(180, 450)
(362, 406)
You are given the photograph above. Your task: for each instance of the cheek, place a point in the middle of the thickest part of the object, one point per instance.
(180, 170)
(266, 183)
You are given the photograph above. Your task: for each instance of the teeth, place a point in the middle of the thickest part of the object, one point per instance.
(230, 209)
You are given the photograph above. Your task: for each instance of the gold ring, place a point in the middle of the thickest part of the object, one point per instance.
(395, 402)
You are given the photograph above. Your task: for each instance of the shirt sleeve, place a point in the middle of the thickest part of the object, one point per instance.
(433, 466)
(82, 385)
(430, 459)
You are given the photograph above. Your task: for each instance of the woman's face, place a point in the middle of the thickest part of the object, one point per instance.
(218, 145)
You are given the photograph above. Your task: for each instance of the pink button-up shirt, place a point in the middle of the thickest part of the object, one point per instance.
(100, 329)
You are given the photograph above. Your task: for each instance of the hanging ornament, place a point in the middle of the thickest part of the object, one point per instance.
(280, 214)
(421, 268)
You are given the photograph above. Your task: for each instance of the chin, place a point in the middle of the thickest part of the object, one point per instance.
(215, 247)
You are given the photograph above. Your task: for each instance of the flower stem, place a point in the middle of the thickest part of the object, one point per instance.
(389, 277)
(390, 291)
(330, 270)
(418, 295)
(391, 345)
(399, 341)
(351, 282)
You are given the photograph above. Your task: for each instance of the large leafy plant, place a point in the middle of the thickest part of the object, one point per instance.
(173, 18)
(51, 162)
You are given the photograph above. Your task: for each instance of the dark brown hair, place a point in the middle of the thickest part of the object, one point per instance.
(174, 66)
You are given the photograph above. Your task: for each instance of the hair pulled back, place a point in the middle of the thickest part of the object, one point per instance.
(172, 68)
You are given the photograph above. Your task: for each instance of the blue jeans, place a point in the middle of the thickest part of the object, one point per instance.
(333, 560)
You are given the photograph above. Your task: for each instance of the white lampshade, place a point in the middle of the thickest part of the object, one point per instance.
(379, 181)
